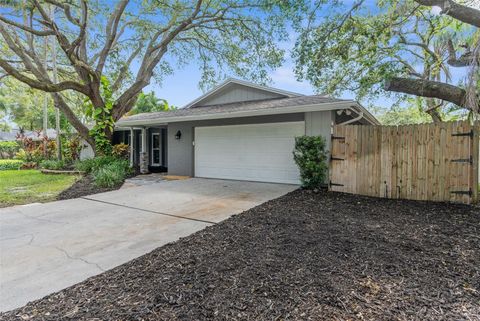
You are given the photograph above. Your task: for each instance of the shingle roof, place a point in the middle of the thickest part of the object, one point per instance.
(233, 107)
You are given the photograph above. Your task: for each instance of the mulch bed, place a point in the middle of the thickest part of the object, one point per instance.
(304, 256)
(83, 187)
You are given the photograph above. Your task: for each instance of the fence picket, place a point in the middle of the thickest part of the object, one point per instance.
(412, 162)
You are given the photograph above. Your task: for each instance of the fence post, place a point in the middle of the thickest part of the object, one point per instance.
(475, 148)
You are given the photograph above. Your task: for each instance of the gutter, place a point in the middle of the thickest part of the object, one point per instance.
(250, 113)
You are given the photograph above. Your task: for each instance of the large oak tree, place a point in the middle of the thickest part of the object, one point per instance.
(110, 50)
(400, 46)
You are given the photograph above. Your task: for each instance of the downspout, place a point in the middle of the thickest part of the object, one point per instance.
(360, 116)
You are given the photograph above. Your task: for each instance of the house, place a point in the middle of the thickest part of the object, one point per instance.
(238, 130)
(34, 135)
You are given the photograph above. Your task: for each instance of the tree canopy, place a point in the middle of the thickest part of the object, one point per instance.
(392, 46)
(109, 53)
(150, 103)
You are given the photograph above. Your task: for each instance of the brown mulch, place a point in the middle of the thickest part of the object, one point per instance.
(304, 256)
(83, 187)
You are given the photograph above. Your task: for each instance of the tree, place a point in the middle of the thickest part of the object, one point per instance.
(23, 105)
(412, 113)
(150, 103)
(108, 54)
(396, 45)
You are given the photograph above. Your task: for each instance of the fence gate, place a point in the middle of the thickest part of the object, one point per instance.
(437, 162)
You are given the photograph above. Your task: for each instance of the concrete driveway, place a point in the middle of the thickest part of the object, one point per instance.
(47, 247)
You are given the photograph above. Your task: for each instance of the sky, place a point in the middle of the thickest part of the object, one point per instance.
(182, 87)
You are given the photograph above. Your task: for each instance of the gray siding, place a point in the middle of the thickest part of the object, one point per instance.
(180, 152)
(235, 93)
(319, 123)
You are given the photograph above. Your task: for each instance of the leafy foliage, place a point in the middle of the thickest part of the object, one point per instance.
(107, 171)
(8, 149)
(93, 164)
(147, 103)
(310, 154)
(71, 148)
(131, 42)
(24, 106)
(111, 174)
(121, 151)
(359, 46)
(102, 115)
(53, 164)
(7, 164)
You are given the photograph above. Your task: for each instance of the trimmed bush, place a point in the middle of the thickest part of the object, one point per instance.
(311, 157)
(8, 149)
(112, 174)
(6, 164)
(53, 164)
(94, 164)
(107, 171)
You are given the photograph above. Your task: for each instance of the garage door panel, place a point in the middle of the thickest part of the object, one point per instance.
(260, 152)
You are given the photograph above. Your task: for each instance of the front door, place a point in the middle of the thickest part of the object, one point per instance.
(156, 149)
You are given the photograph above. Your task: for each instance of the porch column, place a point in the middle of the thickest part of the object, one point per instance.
(131, 146)
(143, 153)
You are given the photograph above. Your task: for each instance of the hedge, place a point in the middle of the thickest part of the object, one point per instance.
(6, 164)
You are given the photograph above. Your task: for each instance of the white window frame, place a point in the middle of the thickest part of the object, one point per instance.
(159, 150)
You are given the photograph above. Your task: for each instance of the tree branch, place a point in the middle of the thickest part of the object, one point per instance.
(111, 33)
(40, 33)
(464, 60)
(460, 12)
(427, 88)
(72, 118)
(42, 85)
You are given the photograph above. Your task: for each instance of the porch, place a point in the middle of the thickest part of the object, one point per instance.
(148, 147)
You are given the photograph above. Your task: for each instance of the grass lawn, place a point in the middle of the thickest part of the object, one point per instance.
(28, 186)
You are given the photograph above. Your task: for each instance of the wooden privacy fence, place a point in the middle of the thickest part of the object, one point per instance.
(436, 162)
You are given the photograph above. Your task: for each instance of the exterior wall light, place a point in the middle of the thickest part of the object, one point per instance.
(178, 135)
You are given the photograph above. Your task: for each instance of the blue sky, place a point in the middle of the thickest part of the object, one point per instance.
(182, 87)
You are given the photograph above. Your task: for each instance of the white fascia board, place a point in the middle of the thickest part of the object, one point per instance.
(245, 113)
(367, 115)
(244, 83)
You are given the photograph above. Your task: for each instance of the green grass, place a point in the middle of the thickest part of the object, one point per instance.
(29, 186)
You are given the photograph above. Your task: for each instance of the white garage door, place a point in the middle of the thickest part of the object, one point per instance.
(261, 152)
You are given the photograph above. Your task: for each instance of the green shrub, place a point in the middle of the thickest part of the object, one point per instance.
(107, 171)
(8, 149)
(53, 164)
(311, 157)
(22, 155)
(94, 164)
(6, 164)
(121, 151)
(110, 175)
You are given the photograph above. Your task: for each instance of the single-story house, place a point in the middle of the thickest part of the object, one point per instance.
(238, 130)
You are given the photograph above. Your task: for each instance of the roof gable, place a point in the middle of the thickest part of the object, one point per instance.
(234, 90)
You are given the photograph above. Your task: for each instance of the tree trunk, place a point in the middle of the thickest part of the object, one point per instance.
(81, 129)
(428, 88)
